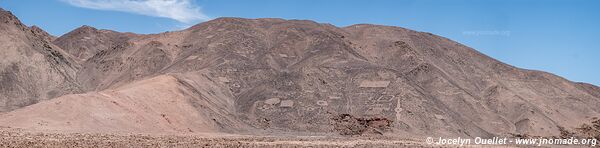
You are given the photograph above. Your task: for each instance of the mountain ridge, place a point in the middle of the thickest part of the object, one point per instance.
(276, 75)
(32, 68)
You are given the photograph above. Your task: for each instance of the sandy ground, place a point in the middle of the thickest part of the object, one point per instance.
(21, 138)
(155, 105)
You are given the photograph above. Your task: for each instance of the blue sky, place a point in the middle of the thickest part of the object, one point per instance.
(558, 36)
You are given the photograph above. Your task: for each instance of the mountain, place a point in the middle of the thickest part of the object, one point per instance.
(235, 75)
(31, 68)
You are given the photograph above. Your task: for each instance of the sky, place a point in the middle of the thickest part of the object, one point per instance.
(557, 36)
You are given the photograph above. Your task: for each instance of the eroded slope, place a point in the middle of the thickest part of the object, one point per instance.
(158, 105)
(31, 68)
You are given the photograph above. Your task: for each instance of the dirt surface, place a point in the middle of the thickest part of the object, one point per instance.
(20, 138)
(157, 105)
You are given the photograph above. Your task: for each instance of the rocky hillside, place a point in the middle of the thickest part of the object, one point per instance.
(235, 75)
(31, 68)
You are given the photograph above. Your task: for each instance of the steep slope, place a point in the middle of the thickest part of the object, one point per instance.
(111, 58)
(43, 34)
(300, 76)
(162, 104)
(472, 87)
(31, 68)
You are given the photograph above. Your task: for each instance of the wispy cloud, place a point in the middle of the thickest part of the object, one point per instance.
(181, 10)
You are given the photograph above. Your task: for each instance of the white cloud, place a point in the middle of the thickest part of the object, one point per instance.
(181, 10)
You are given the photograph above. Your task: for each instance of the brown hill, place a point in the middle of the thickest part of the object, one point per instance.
(85, 41)
(155, 105)
(31, 68)
(238, 75)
